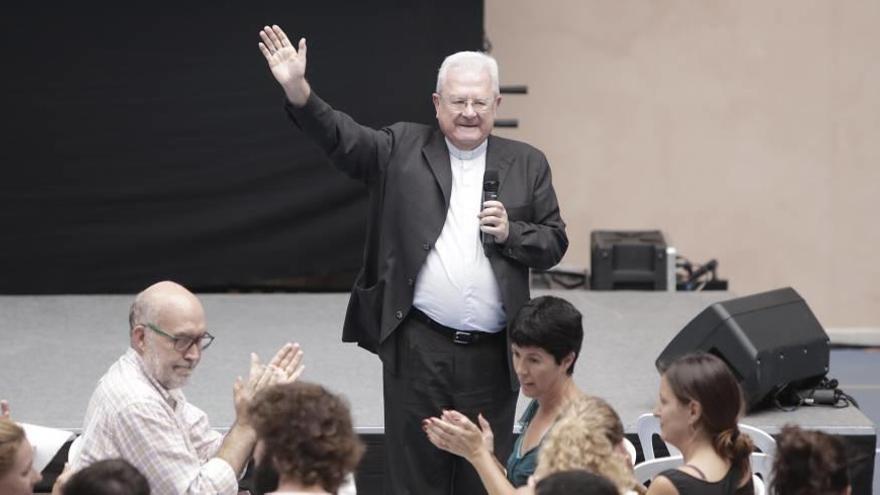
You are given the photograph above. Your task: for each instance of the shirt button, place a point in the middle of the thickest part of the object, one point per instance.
(426, 246)
(410, 282)
(399, 315)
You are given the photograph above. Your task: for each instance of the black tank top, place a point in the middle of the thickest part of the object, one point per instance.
(691, 485)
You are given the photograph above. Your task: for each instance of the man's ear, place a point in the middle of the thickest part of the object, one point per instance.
(435, 97)
(139, 338)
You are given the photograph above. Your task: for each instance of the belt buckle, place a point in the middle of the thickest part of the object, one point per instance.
(462, 338)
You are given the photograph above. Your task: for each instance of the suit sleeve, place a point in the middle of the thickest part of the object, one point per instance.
(357, 150)
(541, 243)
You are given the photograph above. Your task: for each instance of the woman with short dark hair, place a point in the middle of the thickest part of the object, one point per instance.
(699, 408)
(546, 337)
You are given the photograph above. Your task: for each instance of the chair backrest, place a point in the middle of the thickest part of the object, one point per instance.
(647, 426)
(46, 442)
(348, 486)
(73, 451)
(631, 450)
(758, 483)
(762, 466)
(645, 471)
(763, 440)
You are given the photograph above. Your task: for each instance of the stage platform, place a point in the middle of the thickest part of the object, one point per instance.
(53, 349)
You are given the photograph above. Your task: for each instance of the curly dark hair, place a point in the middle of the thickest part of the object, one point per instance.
(809, 462)
(307, 432)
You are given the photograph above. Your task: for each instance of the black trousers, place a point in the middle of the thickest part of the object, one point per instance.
(433, 374)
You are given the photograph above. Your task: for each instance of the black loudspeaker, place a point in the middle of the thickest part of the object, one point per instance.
(769, 340)
(628, 260)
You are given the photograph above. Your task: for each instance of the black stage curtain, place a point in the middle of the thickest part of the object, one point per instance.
(144, 141)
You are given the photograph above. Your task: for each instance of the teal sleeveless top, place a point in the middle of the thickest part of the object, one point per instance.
(519, 468)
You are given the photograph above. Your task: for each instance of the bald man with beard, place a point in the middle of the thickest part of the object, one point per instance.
(138, 411)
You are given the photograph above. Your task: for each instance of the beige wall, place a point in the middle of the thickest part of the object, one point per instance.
(748, 131)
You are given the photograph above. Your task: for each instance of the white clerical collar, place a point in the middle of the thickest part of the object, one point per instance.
(467, 154)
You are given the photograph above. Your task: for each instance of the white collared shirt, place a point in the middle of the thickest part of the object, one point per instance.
(456, 286)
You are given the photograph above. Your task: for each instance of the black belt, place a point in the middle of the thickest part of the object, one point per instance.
(463, 337)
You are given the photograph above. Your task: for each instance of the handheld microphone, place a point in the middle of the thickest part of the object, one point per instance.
(490, 193)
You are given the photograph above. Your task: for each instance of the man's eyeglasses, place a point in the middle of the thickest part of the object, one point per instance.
(182, 344)
(459, 104)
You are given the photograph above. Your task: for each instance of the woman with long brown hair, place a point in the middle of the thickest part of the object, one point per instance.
(699, 407)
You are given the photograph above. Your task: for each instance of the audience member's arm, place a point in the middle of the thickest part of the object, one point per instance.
(456, 434)
(285, 367)
(150, 438)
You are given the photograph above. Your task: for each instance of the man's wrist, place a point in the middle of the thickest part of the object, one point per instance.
(243, 431)
(298, 93)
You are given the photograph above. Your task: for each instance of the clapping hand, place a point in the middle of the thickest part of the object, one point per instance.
(285, 367)
(455, 433)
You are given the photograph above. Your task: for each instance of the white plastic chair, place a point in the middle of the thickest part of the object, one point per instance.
(46, 442)
(763, 440)
(762, 466)
(74, 450)
(630, 449)
(348, 486)
(758, 485)
(647, 426)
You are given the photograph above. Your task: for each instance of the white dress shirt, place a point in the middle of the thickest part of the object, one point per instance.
(456, 286)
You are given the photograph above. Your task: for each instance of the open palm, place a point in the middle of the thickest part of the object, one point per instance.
(287, 63)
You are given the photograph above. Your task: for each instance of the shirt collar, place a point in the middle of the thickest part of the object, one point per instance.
(467, 154)
(171, 397)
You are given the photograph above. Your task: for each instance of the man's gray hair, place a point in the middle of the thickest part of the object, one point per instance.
(475, 61)
(142, 311)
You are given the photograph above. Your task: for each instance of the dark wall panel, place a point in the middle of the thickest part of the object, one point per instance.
(148, 141)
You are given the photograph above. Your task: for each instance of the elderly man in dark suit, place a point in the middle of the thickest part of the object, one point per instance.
(433, 299)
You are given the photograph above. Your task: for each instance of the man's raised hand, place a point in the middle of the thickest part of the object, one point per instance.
(287, 63)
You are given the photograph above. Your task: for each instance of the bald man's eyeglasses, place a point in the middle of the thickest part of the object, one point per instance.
(183, 344)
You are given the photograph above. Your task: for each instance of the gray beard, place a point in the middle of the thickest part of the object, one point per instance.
(151, 363)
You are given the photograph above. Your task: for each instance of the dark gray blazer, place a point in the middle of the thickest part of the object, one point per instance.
(407, 170)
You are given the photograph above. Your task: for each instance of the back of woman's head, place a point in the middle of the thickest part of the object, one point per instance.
(809, 462)
(108, 477)
(551, 323)
(11, 437)
(585, 437)
(307, 432)
(706, 379)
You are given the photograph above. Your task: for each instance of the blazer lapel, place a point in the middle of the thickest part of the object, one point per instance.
(497, 159)
(437, 155)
